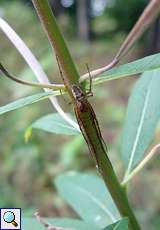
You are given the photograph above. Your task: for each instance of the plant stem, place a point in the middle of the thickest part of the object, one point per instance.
(118, 192)
(29, 83)
(71, 77)
(57, 42)
(89, 126)
(147, 17)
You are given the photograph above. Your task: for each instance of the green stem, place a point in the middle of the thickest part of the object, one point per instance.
(58, 43)
(71, 77)
(29, 83)
(118, 192)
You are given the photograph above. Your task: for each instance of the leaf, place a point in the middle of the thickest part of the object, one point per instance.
(31, 60)
(20, 103)
(151, 62)
(54, 123)
(87, 195)
(142, 116)
(71, 150)
(32, 223)
(119, 225)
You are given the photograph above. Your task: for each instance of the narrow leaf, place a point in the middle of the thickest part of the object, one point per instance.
(33, 63)
(87, 195)
(143, 114)
(20, 103)
(54, 123)
(32, 223)
(148, 63)
(119, 225)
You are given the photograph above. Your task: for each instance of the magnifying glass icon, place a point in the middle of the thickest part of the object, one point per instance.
(9, 217)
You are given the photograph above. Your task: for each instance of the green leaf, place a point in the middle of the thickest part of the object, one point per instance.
(136, 67)
(20, 103)
(32, 223)
(87, 195)
(54, 123)
(142, 117)
(119, 225)
(71, 150)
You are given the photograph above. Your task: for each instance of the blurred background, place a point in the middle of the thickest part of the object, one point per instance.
(94, 30)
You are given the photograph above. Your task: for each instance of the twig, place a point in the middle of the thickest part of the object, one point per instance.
(35, 67)
(91, 131)
(34, 84)
(146, 18)
(99, 71)
(58, 43)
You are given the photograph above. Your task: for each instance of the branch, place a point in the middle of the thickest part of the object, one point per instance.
(85, 114)
(35, 66)
(146, 18)
(28, 83)
(48, 20)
